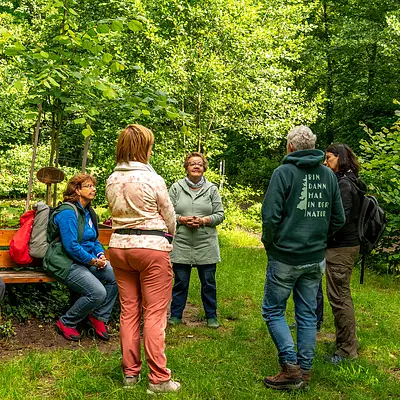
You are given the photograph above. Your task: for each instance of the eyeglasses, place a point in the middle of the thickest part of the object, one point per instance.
(192, 164)
(89, 186)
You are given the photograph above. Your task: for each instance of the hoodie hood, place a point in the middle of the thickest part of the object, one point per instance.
(134, 166)
(305, 158)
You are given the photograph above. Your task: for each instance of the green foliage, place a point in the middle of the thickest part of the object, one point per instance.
(6, 329)
(42, 301)
(381, 168)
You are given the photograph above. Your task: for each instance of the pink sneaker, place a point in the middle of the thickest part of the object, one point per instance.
(67, 332)
(99, 328)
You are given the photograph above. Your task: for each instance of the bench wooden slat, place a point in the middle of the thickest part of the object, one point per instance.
(25, 277)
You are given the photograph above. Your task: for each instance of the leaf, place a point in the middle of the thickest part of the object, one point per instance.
(77, 75)
(79, 121)
(110, 93)
(64, 99)
(19, 85)
(44, 54)
(86, 133)
(107, 57)
(146, 112)
(171, 115)
(53, 82)
(103, 28)
(100, 85)
(117, 26)
(135, 26)
(73, 12)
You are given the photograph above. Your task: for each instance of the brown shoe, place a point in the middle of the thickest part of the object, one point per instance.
(306, 375)
(289, 378)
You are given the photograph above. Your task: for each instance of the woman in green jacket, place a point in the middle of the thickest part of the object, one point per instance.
(199, 210)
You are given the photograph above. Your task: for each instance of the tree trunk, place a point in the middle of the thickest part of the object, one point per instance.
(85, 154)
(329, 81)
(35, 144)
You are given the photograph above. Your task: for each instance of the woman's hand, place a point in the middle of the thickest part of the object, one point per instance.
(194, 222)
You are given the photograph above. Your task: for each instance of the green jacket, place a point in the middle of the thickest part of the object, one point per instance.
(56, 260)
(301, 208)
(196, 246)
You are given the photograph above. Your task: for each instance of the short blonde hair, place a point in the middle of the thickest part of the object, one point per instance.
(134, 143)
(301, 138)
(196, 154)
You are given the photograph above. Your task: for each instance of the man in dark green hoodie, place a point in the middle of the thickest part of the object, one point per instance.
(301, 208)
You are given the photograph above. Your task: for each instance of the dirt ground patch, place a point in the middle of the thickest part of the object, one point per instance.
(37, 335)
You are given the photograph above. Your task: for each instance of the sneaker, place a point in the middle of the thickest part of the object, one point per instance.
(131, 381)
(99, 328)
(68, 332)
(174, 321)
(212, 323)
(289, 378)
(164, 387)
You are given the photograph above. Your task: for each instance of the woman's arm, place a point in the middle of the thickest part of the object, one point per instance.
(68, 224)
(217, 215)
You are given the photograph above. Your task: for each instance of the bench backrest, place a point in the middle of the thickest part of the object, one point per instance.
(7, 234)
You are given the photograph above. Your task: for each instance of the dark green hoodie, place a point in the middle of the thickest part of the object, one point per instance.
(301, 208)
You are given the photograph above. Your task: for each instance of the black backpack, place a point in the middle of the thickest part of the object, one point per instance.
(371, 225)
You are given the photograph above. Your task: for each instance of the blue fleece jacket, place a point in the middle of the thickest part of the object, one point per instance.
(89, 248)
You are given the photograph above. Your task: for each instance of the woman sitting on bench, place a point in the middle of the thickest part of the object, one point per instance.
(78, 259)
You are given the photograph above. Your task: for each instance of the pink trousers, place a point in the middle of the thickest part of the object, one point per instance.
(144, 278)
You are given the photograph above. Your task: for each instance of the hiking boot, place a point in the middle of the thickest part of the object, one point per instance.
(131, 381)
(164, 387)
(306, 375)
(212, 323)
(289, 378)
(174, 321)
(68, 332)
(99, 328)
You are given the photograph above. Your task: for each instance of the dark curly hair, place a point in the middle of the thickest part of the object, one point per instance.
(347, 159)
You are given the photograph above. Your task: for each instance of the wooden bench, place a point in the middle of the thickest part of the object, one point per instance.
(11, 272)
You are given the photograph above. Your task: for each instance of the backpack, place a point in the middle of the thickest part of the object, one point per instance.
(38, 243)
(371, 225)
(19, 245)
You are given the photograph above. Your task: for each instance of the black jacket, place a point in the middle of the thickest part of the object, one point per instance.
(352, 191)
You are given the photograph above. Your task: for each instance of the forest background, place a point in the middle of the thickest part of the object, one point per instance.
(225, 77)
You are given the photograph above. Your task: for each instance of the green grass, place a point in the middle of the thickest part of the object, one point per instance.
(230, 363)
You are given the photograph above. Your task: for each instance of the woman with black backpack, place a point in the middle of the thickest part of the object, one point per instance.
(343, 249)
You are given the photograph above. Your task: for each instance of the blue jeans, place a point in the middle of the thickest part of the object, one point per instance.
(98, 290)
(181, 287)
(304, 281)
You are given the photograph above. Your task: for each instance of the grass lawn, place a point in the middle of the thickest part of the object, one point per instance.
(230, 363)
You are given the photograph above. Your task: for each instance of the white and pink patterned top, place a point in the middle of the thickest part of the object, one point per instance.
(138, 199)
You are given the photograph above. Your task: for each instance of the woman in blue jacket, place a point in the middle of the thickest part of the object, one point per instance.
(76, 257)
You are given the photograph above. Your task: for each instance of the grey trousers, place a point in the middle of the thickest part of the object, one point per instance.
(339, 267)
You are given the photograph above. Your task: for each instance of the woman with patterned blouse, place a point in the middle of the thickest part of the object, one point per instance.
(144, 221)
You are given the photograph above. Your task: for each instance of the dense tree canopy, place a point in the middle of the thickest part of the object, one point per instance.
(227, 77)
